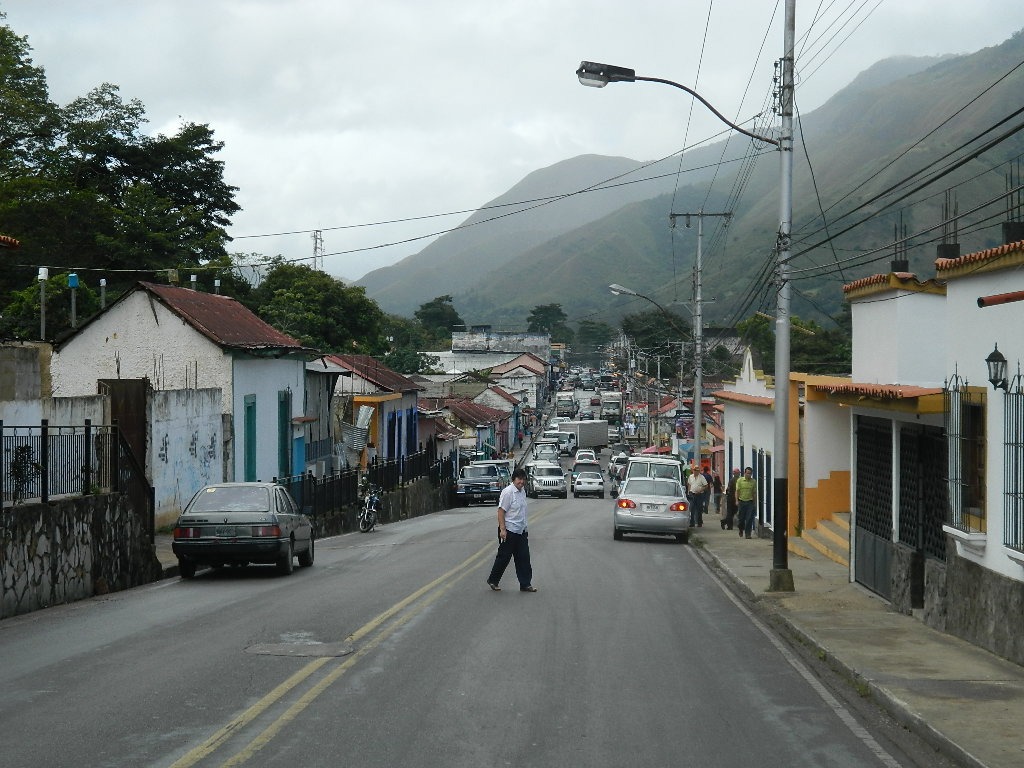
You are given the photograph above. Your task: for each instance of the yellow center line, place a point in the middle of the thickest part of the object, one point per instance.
(216, 740)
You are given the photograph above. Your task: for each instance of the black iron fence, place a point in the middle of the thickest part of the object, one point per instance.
(41, 462)
(320, 496)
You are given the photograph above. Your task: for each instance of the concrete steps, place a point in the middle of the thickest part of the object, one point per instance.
(831, 539)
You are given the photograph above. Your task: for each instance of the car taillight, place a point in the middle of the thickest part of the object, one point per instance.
(187, 533)
(679, 506)
(272, 531)
(625, 504)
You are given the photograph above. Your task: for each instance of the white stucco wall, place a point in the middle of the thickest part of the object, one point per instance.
(826, 431)
(264, 378)
(186, 440)
(897, 339)
(139, 337)
(970, 335)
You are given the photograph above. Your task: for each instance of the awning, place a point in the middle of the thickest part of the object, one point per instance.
(657, 449)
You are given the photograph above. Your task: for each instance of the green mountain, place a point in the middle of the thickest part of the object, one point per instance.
(903, 123)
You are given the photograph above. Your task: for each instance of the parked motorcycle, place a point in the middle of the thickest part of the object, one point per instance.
(371, 505)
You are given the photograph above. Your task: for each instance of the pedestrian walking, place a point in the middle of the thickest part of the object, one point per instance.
(513, 538)
(697, 492)
(730, 501)
(716, 493)
(746, 496)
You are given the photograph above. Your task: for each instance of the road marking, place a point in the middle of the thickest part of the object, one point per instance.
(440, 585)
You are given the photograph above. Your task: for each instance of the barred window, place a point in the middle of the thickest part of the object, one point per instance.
(965, 434)
(1013, 469)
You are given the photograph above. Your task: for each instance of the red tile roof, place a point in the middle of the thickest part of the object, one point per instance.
(1000, 257)
(739, 397)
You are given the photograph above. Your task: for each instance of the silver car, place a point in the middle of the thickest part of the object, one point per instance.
(651, 505)
(241, 523)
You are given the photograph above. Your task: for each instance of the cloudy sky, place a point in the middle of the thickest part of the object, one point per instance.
(341, 114)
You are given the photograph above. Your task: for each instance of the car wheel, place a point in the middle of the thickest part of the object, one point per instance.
(602, 494)
(306, 558)
(187, 568)
(285, 564)
(682, 538)
(617, 535)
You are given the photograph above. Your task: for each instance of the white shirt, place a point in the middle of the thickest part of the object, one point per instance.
(513, 502)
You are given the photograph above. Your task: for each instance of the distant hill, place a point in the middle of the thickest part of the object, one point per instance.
(890, 122)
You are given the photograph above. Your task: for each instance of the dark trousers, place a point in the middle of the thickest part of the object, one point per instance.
(748, 514)
(515, 546)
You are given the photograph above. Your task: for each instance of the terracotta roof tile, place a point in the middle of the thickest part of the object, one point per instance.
(374, 371)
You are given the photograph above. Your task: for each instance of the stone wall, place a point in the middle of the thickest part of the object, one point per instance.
(975, 604)
(69, 550)
(413, 500)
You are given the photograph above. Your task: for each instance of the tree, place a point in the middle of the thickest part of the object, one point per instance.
(654, 328)
(439, 318)
(84, 186)
(812, 348)
(590, 337)
(319, 310)
(406, 340)
(21, 317)
(549, 318)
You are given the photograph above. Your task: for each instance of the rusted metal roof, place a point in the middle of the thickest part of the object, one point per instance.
(222, 319)
(374, 371)
(8, 242)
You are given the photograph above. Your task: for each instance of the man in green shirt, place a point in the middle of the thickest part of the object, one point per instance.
(746, 496)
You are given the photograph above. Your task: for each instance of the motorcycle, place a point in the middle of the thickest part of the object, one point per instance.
(368, 512)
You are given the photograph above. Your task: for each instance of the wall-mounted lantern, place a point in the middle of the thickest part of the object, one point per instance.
(996, 369)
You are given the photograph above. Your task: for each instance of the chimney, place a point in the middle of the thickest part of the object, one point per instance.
(947, 251)
(1013, 232)
(900, 265)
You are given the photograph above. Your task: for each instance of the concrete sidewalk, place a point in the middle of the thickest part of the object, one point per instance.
(963, 700)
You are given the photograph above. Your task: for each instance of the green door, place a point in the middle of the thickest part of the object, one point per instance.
(249, 438)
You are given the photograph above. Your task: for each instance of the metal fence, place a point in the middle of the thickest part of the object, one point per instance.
(38, 463)
(318, 496)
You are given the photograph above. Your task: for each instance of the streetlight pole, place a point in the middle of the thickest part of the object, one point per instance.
(599, 75)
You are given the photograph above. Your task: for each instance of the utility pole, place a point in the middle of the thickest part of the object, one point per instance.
(698, 326)
(781, 577)
(318, 249)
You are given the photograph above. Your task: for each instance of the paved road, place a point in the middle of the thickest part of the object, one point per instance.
(391, 651)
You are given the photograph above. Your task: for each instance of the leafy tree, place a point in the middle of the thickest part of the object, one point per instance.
(812, 348)
(655, 328)
(21, 317)
(439, 318)
(590, 337)
(407, 339)
(319, 310)
(549, 318)
(83, 185)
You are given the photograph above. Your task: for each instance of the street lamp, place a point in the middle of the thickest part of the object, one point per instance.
(598, 75)
(698, 384)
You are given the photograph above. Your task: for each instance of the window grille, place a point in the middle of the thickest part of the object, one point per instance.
(1013, 466)
(965, 468)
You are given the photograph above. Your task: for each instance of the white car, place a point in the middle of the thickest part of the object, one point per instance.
(586, 454)
(588, 484)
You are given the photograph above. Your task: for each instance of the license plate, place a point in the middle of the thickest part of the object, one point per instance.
(652, 507)
(224, 530)
(477, 495)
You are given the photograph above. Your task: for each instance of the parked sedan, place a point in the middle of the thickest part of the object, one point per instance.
(651, 505)
(588, 484)
(242, 523)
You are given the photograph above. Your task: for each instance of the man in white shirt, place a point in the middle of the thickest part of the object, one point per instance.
(513, 539)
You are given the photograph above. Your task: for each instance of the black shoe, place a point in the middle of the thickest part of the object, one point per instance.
(494, 586)
(748, 535)
(723, 524)
(530, 588)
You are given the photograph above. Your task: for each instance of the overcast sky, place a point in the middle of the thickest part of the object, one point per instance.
(340, 113)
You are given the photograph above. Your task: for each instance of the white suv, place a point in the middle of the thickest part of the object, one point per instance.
(545, 477)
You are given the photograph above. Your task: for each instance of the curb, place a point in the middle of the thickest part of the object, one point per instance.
(881, 697)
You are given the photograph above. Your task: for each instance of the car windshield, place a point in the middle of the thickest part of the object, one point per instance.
(485, 471)
(231, 499)
(643, 486)
(589, 476)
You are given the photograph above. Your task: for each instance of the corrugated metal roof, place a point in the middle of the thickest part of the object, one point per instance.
(375, 372)
(222, 319)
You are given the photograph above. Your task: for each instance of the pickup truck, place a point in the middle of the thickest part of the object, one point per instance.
(478, 483)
